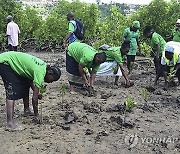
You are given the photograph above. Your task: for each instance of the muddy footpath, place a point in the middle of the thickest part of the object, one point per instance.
(79, 124)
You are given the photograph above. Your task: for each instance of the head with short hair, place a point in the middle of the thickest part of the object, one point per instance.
(125, 47)
(100, 58)
(70, 16)
(147, 31)
(9, 18)
(169, 52)
(53, 73)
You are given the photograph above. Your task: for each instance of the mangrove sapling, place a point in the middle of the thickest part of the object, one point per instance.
(144, 94)
(129, 105)
(63, 91)
(170, 76)
(42, 90)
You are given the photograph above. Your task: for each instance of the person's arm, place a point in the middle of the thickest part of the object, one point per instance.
(67, 38)
(165, 74)
(71, 30)
(83, 74)
(35, 104)
(124, 74)
(138, 43)
(92, 78)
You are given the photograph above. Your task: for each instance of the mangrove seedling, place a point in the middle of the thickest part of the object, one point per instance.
(144, 94)
(129, 105)
(63, 90)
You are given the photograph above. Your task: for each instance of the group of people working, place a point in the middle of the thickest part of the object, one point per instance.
(21, 71)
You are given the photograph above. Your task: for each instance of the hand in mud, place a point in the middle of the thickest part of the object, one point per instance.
(40, 96)
(129, 84)
(90, 89)
(38, 119)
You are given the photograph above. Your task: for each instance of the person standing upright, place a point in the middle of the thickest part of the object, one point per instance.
(132, 34)
(72, 26)
(12, 33)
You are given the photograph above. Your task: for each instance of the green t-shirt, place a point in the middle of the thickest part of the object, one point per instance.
(176, 35)
(155, 40)
(71, 28)
(25, 65)
(132, 37)
(83, 54)
(114, 54)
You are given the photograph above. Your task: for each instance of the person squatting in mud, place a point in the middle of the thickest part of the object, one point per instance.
(19, 72)
(170, 62)
(114, 62)
(80, 57)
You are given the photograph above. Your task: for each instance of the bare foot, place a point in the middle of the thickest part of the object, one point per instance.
(11, 126)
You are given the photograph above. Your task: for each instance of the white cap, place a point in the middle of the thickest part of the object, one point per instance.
(178, 21)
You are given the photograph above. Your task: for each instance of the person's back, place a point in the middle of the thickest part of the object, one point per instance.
(12, 33)
(25, 65)
(81, 52)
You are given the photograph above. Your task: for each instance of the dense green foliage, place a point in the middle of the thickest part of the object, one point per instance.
(104, 23)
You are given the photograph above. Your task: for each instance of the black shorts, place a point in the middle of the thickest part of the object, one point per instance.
(16, 86)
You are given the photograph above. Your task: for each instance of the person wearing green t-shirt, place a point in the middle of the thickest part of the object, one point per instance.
(114, 62)
(80, 56)
(132, 34)
(19, 72)
(176, 32)
(157, 45)
(71, 37)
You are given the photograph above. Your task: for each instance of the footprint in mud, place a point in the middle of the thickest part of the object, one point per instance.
(116, 108)
(100, 134)
(92, 108)
(105, 95)
(89, 132)
(121, 122)
(70, 117)
(146, 107)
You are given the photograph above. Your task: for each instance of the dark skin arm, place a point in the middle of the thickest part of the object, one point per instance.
(124, 74)
(66, 39)
(83, 74)
(35, 101)
(138, 43)
(35, 104)
(92, 78)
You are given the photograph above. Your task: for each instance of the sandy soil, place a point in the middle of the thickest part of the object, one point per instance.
(78, 124)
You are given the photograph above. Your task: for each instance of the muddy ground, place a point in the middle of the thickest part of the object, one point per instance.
(78, 124)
